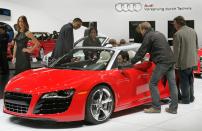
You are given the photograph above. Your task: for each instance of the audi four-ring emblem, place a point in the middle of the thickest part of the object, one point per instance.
(131, 7)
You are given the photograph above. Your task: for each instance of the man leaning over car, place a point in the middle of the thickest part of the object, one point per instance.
(161, 54)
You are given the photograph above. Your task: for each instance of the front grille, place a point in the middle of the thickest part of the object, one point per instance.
(52, 105)
(17, 102)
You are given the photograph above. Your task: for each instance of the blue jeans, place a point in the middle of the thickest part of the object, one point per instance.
(160, 71)
(186, 85)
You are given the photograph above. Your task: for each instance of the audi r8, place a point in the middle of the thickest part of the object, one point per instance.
(86, 84)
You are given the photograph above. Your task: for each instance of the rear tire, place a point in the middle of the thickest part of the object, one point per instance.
(100, 105)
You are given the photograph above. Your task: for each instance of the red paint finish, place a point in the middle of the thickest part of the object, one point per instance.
(198, 69)
(130, 87)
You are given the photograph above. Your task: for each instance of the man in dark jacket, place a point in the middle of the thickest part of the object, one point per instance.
(4, 38)
(65, 39)
(161, 54)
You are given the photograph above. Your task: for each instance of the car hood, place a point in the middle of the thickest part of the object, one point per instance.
(48, 79)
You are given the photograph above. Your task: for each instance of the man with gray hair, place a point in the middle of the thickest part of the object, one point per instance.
(161, 54)
(185, 45)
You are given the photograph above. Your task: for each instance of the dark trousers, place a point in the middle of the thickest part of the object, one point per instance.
(4, 68)
(159, 71)
(186, 79)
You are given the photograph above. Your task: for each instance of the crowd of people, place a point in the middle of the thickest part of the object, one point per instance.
(180, 60)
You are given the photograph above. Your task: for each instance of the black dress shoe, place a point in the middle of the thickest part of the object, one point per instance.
(192, 99)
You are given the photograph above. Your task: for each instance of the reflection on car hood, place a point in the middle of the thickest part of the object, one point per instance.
(48, 79)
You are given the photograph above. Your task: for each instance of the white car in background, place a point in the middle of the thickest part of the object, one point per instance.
(78, 43)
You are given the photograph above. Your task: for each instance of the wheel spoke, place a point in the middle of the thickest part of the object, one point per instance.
(106, 112)
(108, 100)
(97, 114)
(95, 103)
(100, 95)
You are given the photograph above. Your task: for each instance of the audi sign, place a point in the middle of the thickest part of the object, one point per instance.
(131, 7)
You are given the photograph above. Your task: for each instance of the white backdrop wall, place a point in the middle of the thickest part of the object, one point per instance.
(49, 15)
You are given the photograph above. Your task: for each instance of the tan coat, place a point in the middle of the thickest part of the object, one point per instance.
(185, 46)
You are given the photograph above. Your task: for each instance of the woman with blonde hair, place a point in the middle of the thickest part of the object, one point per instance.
(21, 54)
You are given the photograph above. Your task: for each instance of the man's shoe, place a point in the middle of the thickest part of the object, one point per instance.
(171, 111)
(183, 102)
(152, 110)
(192, 99)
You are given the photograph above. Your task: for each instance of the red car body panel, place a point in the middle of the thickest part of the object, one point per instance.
(46, 45)
(130, 88)
(198, 69)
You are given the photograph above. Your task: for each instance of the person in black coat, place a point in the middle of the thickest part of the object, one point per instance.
(93, 41)
(161, 54)
(21, 52)
(65, 39)
(4, 38)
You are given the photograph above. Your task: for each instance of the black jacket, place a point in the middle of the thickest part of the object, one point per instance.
(64, 42)
(4, 38)
(156, 44)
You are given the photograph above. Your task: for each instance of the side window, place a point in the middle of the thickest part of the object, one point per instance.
(102, 39)
(131, 54)
(122, 59)
(79, 43)
(79, 54)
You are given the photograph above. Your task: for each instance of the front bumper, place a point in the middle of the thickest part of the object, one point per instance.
(74, 112)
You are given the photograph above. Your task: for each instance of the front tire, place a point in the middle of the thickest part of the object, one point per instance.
(100, 105)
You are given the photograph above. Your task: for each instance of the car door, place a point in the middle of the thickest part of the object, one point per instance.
(143, 73)
(138, 76)
(132, 81)
(132, 84)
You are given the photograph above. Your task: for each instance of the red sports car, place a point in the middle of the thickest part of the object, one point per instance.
(198, 69)
(88, 83)
(47, 44)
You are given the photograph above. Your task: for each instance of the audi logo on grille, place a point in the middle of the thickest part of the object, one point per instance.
(131, 7)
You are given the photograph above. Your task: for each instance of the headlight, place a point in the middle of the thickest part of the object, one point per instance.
(59, 94)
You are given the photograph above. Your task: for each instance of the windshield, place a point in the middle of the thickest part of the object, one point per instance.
(84, 59)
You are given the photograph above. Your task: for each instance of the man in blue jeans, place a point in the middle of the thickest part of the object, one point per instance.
(161, 54)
